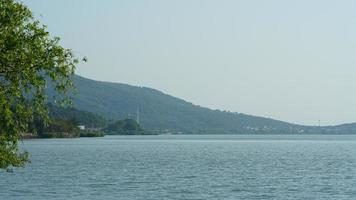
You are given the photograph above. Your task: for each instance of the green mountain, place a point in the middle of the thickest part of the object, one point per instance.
(164, 112)
(99, 103)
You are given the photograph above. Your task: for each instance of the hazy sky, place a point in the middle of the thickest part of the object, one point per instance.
(286, 59)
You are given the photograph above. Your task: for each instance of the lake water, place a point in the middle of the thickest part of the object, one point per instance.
(186, 167)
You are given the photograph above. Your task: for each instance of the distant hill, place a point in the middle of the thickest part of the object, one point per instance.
(339, 129)
(161, 111)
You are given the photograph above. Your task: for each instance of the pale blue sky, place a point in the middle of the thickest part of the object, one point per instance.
(285, 59)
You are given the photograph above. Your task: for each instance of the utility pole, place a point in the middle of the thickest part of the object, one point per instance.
(138, 116)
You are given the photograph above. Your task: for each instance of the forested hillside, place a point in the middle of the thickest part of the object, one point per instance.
(88, 119)
(161, 111)
(104, 102)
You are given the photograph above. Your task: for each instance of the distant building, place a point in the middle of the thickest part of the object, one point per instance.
(81, 127)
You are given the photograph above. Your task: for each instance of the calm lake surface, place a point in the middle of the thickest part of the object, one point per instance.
(186, 167)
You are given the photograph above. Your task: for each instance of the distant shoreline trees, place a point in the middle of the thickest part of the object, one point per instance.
(124, 127)
(68, 122)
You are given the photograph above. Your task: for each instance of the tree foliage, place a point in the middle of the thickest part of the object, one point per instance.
(124, 127)
(29, 58)
(61, 128)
